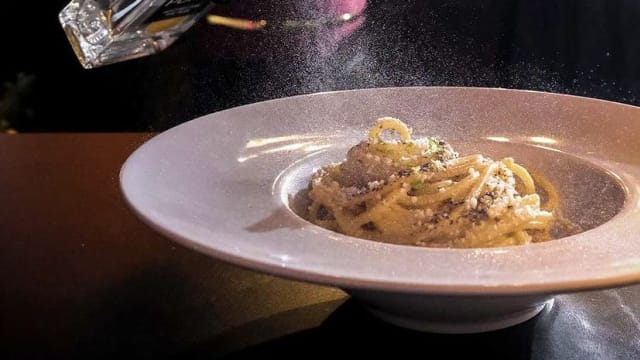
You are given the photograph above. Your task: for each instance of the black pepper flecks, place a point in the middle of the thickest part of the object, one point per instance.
(323, 213)
(370, 226)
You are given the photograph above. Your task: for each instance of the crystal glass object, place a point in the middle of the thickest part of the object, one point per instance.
(102, 32)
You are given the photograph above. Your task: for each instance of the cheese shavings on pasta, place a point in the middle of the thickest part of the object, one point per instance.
(421, 192)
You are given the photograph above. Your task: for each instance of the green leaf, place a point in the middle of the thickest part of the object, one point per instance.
(433, 146)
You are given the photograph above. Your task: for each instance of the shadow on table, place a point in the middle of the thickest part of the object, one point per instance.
(352, 330)
(162, 311)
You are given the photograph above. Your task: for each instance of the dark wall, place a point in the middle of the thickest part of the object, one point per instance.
(583, 47)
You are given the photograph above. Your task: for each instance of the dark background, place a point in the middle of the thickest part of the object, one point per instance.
(582, 47)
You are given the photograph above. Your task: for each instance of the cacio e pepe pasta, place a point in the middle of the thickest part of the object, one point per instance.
(421, 192)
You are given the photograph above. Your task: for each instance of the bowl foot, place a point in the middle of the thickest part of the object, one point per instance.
(462, 327)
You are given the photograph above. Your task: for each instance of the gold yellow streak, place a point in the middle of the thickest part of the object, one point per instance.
(236, 23)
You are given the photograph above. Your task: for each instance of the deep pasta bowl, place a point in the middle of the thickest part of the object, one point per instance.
(227, 185)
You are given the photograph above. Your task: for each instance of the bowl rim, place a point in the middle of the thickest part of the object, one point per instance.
(623, 277)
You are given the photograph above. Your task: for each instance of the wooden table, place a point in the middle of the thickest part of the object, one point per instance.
(81, 277)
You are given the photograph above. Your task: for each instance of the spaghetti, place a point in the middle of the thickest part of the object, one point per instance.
(421, 192)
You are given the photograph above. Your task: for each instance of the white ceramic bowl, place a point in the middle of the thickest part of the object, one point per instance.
(222, 184)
